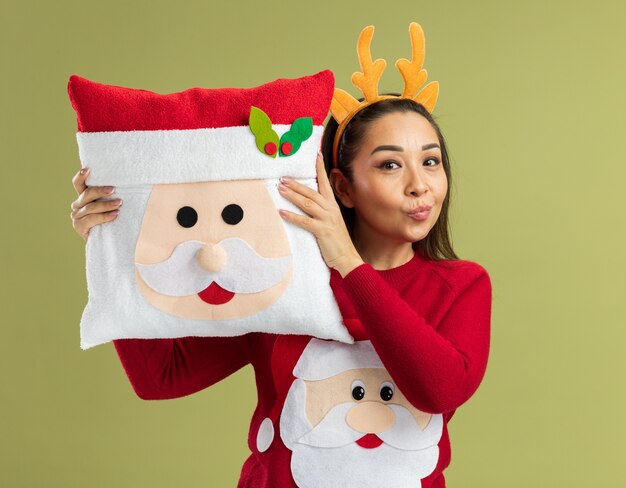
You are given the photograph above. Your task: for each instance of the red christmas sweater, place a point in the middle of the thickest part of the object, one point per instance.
(428, 321)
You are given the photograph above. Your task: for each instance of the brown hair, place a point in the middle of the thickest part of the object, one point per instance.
(437, 244)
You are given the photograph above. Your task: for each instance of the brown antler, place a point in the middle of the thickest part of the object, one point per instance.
(414, 75)
(367, 80)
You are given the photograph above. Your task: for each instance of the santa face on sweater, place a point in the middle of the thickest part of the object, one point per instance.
(212, 250)
(354, 427)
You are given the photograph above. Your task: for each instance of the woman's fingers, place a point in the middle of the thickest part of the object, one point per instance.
(303, 221)
(322, 217)
(89, 209)
(322, 178)
(304, 190)
(91, 194)
(83, 225)
(97, 207)
(305, 197)
(302, 196)
(79, 180)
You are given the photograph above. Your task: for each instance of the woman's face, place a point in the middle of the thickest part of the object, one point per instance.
(398, 181)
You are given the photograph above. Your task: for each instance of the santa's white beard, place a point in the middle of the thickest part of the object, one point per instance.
(245, 271)
(354, 466)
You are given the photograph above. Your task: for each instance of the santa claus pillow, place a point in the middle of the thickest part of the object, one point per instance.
(198, 248)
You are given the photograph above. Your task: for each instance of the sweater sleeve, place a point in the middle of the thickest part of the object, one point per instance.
(439, 369)
(169, 368)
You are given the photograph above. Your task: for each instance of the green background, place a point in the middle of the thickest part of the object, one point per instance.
(532, 104)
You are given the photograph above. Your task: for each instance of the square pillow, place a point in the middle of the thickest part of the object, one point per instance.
(198, 248)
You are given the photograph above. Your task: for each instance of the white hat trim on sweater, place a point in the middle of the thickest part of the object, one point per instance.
(323, 359)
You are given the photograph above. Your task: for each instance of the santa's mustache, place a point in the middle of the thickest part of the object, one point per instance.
(244, 271)
(405, 434)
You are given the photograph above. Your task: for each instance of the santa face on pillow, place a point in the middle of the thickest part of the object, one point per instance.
(199, 248)
(347, 424)
(199, 255)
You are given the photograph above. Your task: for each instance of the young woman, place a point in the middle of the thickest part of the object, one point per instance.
(381, 220)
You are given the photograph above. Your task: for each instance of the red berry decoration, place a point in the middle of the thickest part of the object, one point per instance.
(301, 129)
(270, 148)
(286, 148)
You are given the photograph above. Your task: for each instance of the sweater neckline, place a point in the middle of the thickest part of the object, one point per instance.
(400, 273)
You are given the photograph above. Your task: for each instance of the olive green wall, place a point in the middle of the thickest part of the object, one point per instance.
(532, 104)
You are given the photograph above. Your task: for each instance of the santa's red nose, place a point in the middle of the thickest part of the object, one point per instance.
(369, 441)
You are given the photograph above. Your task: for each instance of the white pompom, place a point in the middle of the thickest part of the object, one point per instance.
(265, 436)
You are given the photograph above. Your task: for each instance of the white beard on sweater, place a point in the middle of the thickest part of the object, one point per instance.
(327, 454)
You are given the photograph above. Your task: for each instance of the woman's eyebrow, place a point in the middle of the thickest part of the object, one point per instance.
(401, 149)
(388, 148)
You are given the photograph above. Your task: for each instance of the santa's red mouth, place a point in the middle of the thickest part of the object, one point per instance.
(214, 294)
(369, 441)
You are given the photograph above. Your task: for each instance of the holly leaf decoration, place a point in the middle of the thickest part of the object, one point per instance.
(266, 138)
(300, 130)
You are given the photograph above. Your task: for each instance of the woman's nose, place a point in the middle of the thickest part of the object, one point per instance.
(416, 183)
(211, 257)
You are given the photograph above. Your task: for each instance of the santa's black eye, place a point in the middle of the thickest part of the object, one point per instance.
(187, 217)
(358, 390)
(358, 393)
(232, 214)
(386, 391)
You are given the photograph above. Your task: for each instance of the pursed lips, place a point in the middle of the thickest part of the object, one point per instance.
(421, 212)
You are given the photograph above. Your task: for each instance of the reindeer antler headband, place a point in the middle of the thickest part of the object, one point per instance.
(344, 106)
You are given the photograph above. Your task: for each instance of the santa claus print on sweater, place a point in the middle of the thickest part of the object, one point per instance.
(334, 411)
(347, 424)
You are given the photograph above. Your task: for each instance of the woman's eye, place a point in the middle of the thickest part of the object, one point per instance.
(431, 162)
(389, 165)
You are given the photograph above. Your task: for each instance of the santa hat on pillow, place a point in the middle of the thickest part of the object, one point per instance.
(132, 137)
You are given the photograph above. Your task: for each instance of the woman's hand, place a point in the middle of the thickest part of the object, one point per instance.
(86, 212)
(323, 219)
